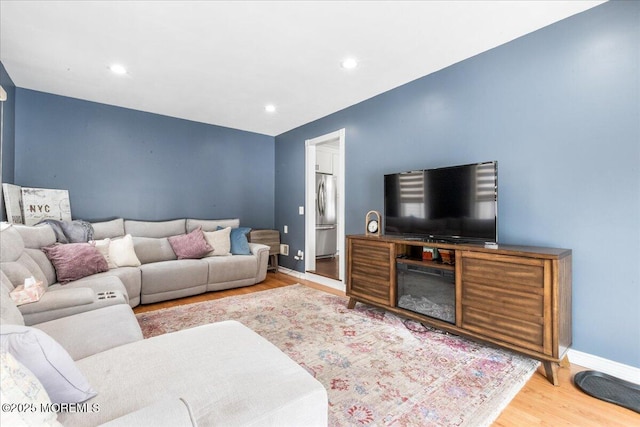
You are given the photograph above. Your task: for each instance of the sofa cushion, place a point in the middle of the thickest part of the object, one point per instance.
(190, 246)
(50, 363)
(211, 224)
(12, 243)
(44, 266)
(230, 376)
(25, 267)
(36, 236)
(239, 242)
(152, 249)
(94, 331)
(74, 261)
(232, 268)
(166, 412)
(173, 275)
(9, 313)
(220, 241)
(155, 228)
(16, 260)
(113, 228)
(19, 386)
(122, 252)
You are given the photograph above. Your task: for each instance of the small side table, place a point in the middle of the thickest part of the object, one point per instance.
(270, 238)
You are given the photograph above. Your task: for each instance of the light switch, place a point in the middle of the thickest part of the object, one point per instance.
(286, 229)
(301, 210)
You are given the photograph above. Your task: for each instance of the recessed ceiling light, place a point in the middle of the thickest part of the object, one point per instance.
(349, 63)
(118, 69)
(270, 108)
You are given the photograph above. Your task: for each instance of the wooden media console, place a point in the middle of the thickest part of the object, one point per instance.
(516, 297)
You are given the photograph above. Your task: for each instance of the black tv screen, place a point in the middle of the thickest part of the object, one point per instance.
(457, 203)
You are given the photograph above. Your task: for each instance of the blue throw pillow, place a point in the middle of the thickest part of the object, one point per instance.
(239, 242)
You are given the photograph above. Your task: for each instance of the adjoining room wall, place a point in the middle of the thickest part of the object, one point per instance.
(117, 162)
(8, 134)
(559, 110)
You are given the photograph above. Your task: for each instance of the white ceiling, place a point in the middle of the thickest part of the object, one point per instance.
(221, 62)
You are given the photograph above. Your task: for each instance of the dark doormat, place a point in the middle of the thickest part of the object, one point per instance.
(608, 388)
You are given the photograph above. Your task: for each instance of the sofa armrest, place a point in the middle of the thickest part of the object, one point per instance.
(59, 299)
(258, 248)
(63, 302)
(169, 412)
(261, 252)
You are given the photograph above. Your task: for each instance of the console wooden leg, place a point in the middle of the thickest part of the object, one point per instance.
(564, 363)
(551, 370)
(351, 304)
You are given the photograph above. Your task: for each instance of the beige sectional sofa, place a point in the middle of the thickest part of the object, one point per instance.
(164, 277)
(155, 275)
(221, 374)
(82, 338)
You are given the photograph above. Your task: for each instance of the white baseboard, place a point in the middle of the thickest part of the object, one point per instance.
(290, 272)
(597, 363)
(589, 361)
(322, 280)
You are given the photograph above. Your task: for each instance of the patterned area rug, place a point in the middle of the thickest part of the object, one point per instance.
(378, 368)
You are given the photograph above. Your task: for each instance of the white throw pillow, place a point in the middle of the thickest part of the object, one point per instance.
(122, 253)
(103, 247)
(19, 386)
(220, 241)
(48, 361)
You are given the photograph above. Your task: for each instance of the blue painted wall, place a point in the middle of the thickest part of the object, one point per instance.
(117, 162)
(560, 111)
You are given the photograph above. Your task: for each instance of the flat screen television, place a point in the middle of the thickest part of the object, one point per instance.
(457, 203)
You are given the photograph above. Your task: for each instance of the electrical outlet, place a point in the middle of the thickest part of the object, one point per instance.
(284, 249)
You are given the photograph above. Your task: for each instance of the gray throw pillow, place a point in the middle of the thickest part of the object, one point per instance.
(48, 361)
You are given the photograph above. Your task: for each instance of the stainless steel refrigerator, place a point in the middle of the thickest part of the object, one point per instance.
(326, 228)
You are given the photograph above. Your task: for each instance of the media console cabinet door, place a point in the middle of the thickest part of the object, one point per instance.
(508, 298)
(371, 270)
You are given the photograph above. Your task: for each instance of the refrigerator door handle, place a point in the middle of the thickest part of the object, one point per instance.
(325, 227)
(321, 198)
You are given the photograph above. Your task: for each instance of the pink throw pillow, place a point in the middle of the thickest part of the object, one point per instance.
(190, 246)
(74, 261)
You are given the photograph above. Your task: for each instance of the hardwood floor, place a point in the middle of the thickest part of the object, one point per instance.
(539, 403)
(328, 267)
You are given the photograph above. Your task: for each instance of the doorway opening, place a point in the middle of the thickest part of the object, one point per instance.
(324, 205)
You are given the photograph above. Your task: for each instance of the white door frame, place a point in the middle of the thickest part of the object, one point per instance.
(310, 207)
